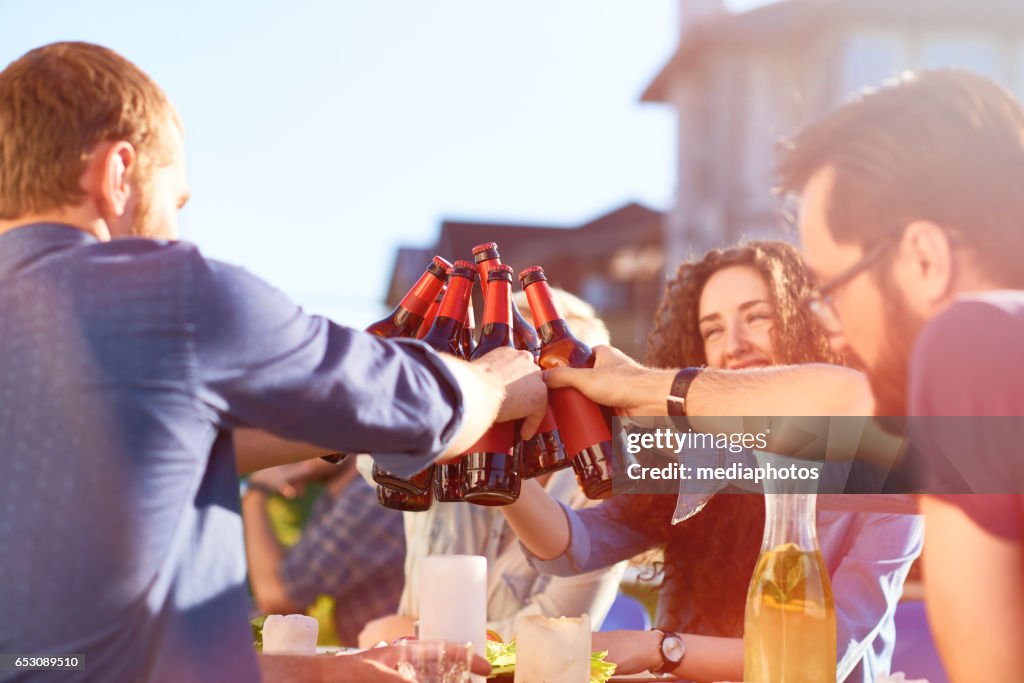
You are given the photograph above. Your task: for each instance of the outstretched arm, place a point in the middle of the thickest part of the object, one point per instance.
(812, 389)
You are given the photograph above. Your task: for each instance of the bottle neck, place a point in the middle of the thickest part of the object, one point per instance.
(498, 302)
(483, 268)
(422, 294)
(542, 304)
(790, 519)
(428, 319)
(455, 303)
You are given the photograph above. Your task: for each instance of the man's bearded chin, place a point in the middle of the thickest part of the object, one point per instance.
(888, 376)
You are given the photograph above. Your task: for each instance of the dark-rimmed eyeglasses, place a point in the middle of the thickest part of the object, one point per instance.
(821, 303)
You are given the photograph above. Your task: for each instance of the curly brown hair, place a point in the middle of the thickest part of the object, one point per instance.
(797, 335)
(710, 557)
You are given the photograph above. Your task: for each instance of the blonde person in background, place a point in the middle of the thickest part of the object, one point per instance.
(514, 588)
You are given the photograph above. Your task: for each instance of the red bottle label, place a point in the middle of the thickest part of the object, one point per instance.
(500, 438)
(580, 421)
(548, 424)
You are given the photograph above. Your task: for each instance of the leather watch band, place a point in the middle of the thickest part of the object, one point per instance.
(676, 399)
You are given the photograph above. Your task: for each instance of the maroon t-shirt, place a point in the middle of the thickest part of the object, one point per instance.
(969, 361)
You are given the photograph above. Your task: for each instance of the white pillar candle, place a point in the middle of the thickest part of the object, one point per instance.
(453, 599)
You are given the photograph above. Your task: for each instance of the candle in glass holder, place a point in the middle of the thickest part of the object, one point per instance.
(553, 650)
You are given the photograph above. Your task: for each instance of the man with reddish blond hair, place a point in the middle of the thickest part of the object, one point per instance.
(128, 366)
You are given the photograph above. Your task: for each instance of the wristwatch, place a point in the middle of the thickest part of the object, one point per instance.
(673, 649)
(676, 399)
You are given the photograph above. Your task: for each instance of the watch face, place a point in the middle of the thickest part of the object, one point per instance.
(673, 649)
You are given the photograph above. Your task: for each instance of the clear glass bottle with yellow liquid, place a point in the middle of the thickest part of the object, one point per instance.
(790, 622)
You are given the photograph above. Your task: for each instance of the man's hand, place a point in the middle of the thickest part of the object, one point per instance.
(389, 657)
(525, 395)
(372, 666)
(388, 628)
(500, 386)
(617, 381)
(524, 392)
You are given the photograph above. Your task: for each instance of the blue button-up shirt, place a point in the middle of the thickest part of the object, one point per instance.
(123, 368)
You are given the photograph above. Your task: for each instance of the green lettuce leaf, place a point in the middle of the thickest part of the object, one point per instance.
(257, 632)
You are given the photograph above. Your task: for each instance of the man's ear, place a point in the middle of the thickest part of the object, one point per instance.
(926, 265)
(114, 192)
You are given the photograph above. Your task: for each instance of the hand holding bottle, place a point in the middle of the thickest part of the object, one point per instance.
(617, 381)
(525, 392)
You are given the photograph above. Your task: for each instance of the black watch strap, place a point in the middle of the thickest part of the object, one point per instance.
(676, 399)
(668, 665)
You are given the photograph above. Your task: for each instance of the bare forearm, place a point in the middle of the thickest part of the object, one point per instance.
(264, 554)
(711, 659)
(813, 389)
(707, 658)
(539, 521)
(257, 450)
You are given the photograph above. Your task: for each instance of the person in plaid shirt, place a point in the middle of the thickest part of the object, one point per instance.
(351, 548)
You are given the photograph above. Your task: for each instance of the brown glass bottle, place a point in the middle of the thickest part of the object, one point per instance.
(428, 319)
(404, 501)
(491, 465)
(447, 334)
(523, 333)
(469, 331)
(408, 315)
(544, 453)
(413, 494)
(581, 423)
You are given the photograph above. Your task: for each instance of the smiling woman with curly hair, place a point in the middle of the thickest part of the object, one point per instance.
(713, 553)
(734, 308)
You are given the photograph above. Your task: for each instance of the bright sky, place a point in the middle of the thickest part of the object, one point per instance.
(322, 134)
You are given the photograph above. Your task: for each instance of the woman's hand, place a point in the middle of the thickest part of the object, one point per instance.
(631, 651)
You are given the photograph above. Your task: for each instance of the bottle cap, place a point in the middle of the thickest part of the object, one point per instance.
(465, 269)
(531, 275)
(481, 249)
(501, 272)
(442, 265)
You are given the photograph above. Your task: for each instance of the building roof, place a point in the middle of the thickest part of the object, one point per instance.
(780, 22)
(521, 245)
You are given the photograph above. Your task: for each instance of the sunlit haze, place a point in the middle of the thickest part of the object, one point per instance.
(321, 135)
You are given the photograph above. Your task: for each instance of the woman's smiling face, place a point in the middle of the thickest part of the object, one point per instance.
(736, 318)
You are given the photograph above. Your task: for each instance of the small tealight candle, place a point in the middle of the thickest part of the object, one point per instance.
(291, 634)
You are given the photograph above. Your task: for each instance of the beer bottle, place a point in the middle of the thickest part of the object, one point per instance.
(428, 319)
(544, 452)
(408, 315)
(448, 335)
(581, 423)
(469, 331)
(491, 465)
(404, 501)
(414, 494)
(524, 335)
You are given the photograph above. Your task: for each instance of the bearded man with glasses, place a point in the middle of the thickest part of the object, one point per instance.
(912, 220)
